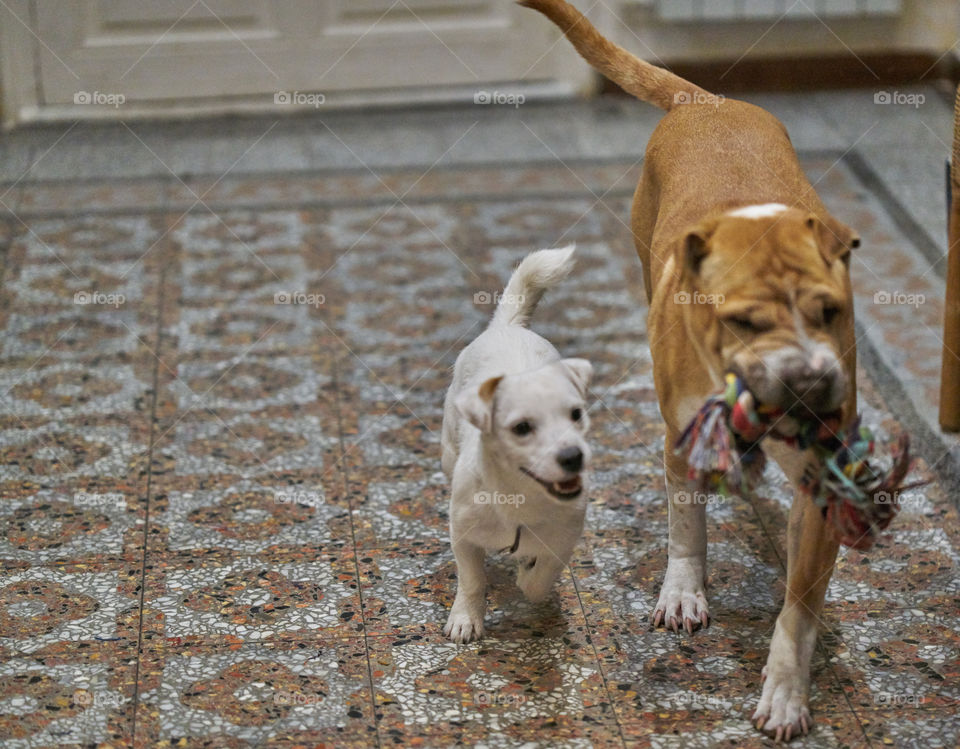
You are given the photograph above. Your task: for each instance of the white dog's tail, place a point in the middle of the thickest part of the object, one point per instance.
(536, 273)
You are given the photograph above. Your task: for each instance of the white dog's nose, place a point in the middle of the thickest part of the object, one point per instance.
(570, 459)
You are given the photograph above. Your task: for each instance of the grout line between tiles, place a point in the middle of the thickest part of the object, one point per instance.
(596, 655)
(319, 204)
(821, 646)
(344, 477)
(158, 342)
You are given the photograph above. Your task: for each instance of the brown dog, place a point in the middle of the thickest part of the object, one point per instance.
(745, 271)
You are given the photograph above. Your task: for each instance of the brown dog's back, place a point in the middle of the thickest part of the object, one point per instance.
(737, 153)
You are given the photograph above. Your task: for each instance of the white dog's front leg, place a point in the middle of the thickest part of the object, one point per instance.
(683, 600)
(465, 622)
(536, 577)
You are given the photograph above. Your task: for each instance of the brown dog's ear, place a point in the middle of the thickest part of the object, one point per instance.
(476, 406)
(834, 239)
(695, 249)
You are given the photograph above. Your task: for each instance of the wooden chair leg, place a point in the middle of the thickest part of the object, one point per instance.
(950, 373)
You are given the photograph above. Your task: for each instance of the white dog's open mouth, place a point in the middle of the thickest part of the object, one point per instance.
(567, 489)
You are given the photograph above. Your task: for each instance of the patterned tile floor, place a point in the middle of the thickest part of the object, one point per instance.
(223, 521)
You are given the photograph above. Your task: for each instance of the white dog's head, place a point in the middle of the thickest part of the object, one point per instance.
(536, 423)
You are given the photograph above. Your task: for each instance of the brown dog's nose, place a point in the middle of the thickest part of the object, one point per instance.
(570, 459)
(812, 383)
(795, 380)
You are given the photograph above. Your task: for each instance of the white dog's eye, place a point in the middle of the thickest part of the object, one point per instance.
(522, 428)
(576, 414)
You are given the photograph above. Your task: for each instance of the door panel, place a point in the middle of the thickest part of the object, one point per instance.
(189, 51)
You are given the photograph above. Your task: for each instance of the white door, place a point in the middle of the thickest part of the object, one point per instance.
(102, 58)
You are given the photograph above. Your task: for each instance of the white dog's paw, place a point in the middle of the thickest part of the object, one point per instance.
(782, 711)
(536, 579)
(683, 602)
(463, 627)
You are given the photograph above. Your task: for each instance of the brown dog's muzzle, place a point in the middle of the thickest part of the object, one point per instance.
(795, 379)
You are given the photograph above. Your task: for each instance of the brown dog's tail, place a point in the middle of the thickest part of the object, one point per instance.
(645, 81)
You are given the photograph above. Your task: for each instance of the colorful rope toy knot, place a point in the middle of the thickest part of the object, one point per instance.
(722, 448)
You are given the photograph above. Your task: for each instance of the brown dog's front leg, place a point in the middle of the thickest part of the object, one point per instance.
(683, 600)
(811, 554)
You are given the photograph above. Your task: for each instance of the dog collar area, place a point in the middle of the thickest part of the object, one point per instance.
(516, 543)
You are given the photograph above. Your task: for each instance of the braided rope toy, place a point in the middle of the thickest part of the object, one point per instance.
(721, 445)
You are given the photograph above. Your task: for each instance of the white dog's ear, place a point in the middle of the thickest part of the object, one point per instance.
(580, 372)
(476, 406)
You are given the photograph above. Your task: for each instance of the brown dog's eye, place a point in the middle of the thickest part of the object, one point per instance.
(576, 414)
(830, 314)
(744, 323)
(522, 428)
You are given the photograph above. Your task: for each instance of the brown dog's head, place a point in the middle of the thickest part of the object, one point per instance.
(769, 299)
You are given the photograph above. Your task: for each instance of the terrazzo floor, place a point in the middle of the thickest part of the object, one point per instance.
(224, 522)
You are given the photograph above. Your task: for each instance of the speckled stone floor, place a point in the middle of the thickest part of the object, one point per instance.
(224, 522)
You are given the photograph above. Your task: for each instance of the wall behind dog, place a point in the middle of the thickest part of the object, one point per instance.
(714, 29)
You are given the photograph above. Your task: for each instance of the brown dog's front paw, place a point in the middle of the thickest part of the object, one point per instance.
(682, 603)
(688, 611)
(782, 712)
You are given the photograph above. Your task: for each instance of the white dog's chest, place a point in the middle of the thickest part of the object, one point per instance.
(499, 537)
(510, 539)
(526, 541)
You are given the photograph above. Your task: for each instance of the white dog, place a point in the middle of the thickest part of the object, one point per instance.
(514, 421)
